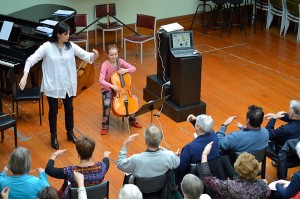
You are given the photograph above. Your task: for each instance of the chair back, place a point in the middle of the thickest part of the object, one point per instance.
(151, 187)
(93, 192)
(81, 20)
(260, 156)
(101, 10)
(293, 8)
(146, 21)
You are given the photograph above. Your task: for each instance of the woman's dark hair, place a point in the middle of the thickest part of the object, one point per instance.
(49, 193)
(85, 146)
(60, 28)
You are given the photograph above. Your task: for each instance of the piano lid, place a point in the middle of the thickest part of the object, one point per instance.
(35, 14)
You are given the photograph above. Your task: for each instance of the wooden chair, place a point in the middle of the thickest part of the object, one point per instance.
(93, 192)
(81, 20)
(28, 94)
(108, 26)
(142, 22)
(7, 122)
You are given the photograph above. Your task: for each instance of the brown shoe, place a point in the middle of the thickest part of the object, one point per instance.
(136, 124)
(103, 131)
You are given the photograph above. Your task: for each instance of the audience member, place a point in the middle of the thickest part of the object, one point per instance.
(49, 193)
(192, 152)
(287, 131)
(130, 191)
(246, 186)
(250, 138)
(93, 172)
(192, 187)
(151, 163)
(293, 188)
(80, 181)
(20, 183)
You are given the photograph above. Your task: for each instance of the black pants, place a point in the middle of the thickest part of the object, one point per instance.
(53, 110)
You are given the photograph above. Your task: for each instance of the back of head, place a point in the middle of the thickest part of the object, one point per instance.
(246, 166)
(19, 162)
(191, 186)
(205, 122)
(255, 115)
(153, 136)
(49, 193)
(130, 191)
(295, 106)
(85, 146)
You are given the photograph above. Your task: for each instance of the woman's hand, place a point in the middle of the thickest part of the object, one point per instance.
(57, 153)
(41, 170)
(5, 169)
(115, 88)
(106, 154)
(23, 81)
(79, 178)
(96, 54)
(5, 192)
(206, 151)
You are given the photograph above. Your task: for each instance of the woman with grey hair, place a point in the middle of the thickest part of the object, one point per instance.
(20, 183)
(192, 187)
(130, 191)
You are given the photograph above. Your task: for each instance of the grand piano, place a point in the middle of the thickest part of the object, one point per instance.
(24, 37)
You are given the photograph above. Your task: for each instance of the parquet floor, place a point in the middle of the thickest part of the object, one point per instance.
(237, 71)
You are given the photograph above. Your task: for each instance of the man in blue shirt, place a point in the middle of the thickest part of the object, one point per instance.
(192, 152)
(249, 138)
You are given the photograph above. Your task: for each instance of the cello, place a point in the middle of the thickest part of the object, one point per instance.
(124, 103)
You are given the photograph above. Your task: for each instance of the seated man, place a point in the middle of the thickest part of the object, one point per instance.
(151, 163)
(287, 131)
(250, 138)
(192, 152)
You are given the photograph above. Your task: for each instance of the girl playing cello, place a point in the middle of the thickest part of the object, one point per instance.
(107, 88)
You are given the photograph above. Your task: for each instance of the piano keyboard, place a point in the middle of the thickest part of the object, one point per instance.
(9, 63)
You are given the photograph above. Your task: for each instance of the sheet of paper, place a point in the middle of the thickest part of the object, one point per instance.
(49, 22)
(272, 185)
(63, 12)
(6, 30)
(44, 29)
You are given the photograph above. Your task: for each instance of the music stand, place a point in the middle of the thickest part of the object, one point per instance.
(151, 105)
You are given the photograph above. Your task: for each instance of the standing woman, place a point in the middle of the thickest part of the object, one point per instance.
(59, 76)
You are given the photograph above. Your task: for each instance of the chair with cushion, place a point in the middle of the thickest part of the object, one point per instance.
(147, 24)
(292, 14)
(107, 10)
(81, 20)
(7, 122)
(152, 187)
(283, 156)
(28, 94)
(93, 192)
(278, 8)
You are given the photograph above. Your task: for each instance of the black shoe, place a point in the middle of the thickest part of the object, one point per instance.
(54, 143)
(71, 137)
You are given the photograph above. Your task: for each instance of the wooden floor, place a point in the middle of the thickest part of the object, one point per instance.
(237, 71)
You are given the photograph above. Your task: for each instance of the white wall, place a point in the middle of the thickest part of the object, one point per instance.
(126, 9)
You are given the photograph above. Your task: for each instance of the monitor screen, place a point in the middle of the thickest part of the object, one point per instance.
(181, 40)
